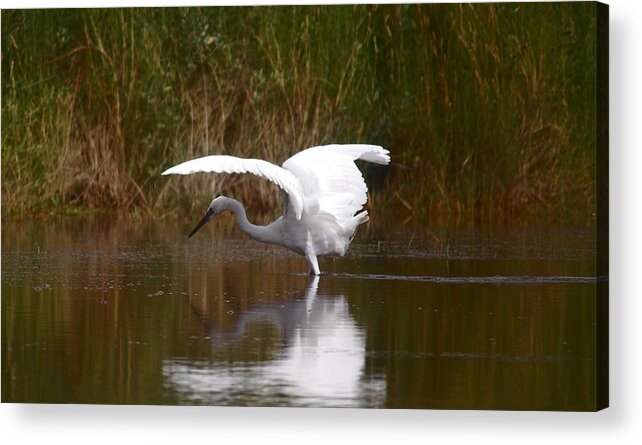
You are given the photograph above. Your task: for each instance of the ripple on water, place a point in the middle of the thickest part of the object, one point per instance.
(497, 279)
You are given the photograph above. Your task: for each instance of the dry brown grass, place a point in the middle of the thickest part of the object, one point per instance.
(488, 110)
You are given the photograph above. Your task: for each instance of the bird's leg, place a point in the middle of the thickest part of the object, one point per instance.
(310, 254)
(314, 264)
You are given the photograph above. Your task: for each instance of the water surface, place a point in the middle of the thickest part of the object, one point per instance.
(102, 312)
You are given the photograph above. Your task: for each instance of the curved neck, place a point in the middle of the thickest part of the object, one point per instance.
(260, 233)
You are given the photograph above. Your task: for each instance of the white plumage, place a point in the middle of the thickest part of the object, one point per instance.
(325, 196)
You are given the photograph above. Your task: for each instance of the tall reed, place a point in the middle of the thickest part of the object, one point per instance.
(487, 109)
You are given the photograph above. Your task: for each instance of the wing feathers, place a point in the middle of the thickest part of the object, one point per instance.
(231, 164)
(319, 179)
(330, 177)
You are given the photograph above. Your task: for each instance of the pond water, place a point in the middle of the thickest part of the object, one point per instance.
(124, 313)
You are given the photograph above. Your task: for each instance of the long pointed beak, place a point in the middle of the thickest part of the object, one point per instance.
(202, 222)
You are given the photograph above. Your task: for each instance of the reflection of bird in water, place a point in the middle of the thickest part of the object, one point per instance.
(287, 316)
(321, 362)
(323, 190)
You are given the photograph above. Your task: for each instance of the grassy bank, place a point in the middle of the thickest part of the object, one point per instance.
(488, 110)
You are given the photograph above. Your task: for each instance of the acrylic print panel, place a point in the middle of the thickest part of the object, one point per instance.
(478, 279)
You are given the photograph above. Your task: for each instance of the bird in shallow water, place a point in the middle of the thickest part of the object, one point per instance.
(323, 192)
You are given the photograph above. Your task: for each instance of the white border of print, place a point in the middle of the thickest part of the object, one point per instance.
(81, 424)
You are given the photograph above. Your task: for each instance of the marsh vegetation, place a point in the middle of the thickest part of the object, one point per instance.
(487, 109)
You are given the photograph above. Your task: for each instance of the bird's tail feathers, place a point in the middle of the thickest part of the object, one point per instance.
(357, 220)
(360, 218)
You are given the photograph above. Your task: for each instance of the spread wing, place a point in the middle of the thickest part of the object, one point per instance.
(329, 175)
(287, 181)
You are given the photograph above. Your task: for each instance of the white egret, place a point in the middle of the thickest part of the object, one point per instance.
(323, 192)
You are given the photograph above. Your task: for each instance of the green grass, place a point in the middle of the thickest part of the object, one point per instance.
(488, 109)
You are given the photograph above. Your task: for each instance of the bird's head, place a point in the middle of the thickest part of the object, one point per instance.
(218, 205)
